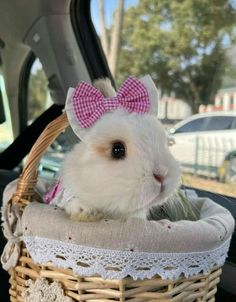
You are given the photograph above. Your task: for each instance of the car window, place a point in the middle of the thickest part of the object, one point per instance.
(219, 123)
(6, 135)
(191, 57)
(39, 98)
(233, 126)
(193, 126)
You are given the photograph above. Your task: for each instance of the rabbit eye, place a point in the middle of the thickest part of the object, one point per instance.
(118, 150)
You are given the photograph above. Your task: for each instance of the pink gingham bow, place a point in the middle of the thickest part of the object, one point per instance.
(89, 104)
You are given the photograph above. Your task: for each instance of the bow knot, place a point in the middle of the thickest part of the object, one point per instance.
(89, 104)
(13, 232)
(111, 103)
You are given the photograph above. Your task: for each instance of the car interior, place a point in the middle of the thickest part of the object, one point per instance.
(59, 38)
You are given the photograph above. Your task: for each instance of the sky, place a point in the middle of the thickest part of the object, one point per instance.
(110, 6)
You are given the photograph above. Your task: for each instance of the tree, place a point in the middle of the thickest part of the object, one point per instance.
(180, 43)
(229, 76)
(111, 49)
(37, 94)
(104, 37)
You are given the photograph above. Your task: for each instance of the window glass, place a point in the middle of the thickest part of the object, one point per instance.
(233, 126)
(191, 57)
(231, 100)
(6, 135)
(39, 98)
(193, 126)
(51, 161)
(219, 123)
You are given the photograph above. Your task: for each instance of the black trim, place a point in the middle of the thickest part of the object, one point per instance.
(21, 146)
(88, 40)
(23, 91)
(2, 110)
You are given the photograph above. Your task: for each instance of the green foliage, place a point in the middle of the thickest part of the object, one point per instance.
(180, 43)
(37, 94)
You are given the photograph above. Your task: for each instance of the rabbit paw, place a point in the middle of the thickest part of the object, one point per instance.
(87, 216)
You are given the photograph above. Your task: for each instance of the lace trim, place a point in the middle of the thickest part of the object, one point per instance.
(114, 264)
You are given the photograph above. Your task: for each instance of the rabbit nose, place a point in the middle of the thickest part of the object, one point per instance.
(159, 178)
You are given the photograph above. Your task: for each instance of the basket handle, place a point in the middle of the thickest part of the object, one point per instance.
(28, 178)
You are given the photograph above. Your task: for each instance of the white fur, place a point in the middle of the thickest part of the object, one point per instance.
(121, 188)
(104, 85)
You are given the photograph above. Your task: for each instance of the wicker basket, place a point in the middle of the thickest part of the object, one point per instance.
(201, 287)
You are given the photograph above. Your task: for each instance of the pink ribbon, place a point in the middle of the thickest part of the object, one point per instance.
(89, 104)
(53, 192)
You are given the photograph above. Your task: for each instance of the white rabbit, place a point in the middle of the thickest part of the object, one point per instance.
(122, 167)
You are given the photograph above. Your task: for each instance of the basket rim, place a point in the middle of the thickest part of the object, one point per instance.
(115, 264)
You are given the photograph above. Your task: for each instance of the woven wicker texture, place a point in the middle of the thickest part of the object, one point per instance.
(79, 288)
(197, 288)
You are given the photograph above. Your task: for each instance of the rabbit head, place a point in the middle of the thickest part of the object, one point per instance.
(122, 167)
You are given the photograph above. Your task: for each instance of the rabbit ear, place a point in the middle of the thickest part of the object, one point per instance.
(71, 115)
(152, 92)
(104, 88)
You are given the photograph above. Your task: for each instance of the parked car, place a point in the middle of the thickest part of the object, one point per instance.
(202, 141)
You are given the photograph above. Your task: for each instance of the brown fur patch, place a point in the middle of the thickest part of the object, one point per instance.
(104, 150)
